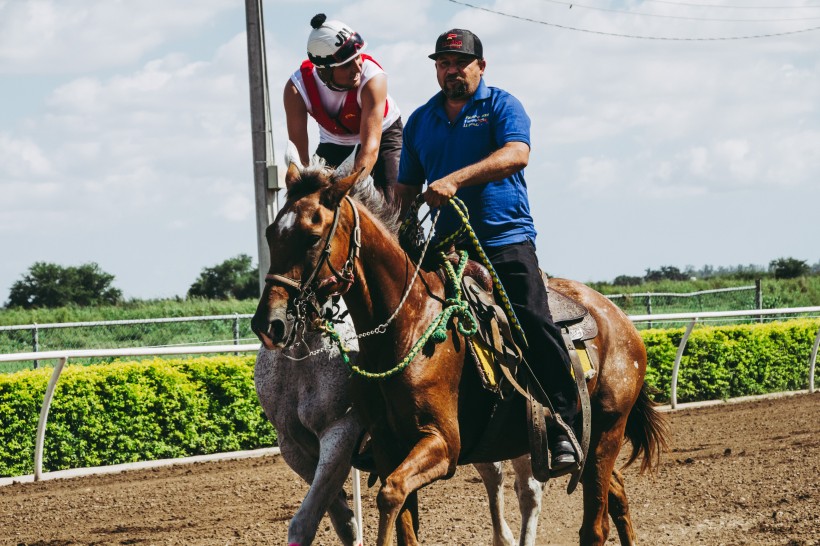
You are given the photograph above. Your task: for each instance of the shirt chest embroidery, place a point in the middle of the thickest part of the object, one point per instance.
(476, 120)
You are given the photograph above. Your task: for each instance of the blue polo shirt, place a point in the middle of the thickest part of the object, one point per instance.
(434, 147)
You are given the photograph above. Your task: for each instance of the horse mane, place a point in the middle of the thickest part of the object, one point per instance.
(318, 176)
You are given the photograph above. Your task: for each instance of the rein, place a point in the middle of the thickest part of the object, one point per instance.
(455, 306)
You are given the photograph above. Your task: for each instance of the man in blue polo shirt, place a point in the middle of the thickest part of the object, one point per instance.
(473, 141)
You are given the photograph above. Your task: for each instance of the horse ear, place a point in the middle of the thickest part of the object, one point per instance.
(346, 166)
(343, 185)
(292, 175)
(294, 162)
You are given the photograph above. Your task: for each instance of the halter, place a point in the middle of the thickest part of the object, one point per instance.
(309, 289)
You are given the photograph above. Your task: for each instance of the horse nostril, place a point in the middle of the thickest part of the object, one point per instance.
(276, 330)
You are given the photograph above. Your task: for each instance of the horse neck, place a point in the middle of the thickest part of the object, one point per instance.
(383, 273)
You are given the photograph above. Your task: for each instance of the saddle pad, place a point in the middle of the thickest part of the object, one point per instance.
(486, 363)
(585, 358)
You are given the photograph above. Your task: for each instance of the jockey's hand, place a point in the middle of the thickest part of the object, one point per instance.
(439, 192)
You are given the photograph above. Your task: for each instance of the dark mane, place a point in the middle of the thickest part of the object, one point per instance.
(311, 179)
(373, 200)
(318, 176)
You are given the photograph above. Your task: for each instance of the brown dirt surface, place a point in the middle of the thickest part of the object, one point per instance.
(737, 474)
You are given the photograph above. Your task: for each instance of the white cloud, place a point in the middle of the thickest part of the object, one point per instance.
(237, 208)
(73, 36)
(20, 158)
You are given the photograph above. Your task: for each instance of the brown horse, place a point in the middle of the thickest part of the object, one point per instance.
(427, 416)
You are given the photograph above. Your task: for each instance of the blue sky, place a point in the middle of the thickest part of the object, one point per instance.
(125, 127)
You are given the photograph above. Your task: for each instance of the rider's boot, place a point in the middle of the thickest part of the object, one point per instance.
(564, 457)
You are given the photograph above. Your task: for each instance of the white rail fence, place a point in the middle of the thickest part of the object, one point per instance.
(232, 330)
(63, 356)
(35, 329)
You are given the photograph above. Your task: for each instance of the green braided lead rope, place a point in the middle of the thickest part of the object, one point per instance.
(454, 306)
(461, 209)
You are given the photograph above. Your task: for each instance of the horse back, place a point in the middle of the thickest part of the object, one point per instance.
(621, 351)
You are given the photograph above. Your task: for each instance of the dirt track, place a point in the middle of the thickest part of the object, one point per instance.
(739, 474)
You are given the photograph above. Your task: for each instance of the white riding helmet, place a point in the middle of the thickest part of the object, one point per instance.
(332, 43)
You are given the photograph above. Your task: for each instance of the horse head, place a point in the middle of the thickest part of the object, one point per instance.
(312, 250)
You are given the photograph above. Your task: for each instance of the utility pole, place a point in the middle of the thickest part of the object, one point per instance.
(265, 173)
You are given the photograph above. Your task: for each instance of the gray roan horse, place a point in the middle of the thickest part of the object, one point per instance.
(304, 393)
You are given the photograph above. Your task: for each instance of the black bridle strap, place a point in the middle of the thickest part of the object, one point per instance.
(343, 277)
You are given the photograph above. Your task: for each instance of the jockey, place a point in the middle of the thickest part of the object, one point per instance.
(345, 91)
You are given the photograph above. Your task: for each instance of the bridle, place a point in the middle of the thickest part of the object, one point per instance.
(306, 300)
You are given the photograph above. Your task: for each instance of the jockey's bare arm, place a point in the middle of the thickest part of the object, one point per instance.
(296, 114)
(373, 99)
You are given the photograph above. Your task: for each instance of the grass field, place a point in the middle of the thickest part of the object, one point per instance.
(800, 292)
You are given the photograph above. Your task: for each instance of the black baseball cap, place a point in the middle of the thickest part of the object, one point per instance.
(458, 40)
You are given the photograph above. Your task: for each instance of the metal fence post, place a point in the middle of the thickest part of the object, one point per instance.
(813, 360)
(35, 342)
(236, 330)
(649, 309)
(40, 440)
(759, 297)
(676, 366)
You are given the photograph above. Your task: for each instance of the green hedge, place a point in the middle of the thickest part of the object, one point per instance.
(132, 411)
(722, 362)
(135, 411)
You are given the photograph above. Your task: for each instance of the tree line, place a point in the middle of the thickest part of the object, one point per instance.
(49, 285)
(781, 268)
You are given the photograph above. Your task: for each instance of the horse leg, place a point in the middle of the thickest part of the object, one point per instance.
(619, 509)
(492, 474)
(326, 476)
(598, 471)
(407, 528)
(530, 493)
(428, 461)
(344, 521)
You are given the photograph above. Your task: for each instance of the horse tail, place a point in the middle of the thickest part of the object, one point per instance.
(647, 431)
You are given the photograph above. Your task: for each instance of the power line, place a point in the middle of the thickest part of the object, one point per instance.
(620, 35)
(642, 14)
(697, 5)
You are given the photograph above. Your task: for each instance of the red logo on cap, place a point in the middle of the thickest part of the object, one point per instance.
(452, 41)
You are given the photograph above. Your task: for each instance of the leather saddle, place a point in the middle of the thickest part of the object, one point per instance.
(494, 346)
(496, 354)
